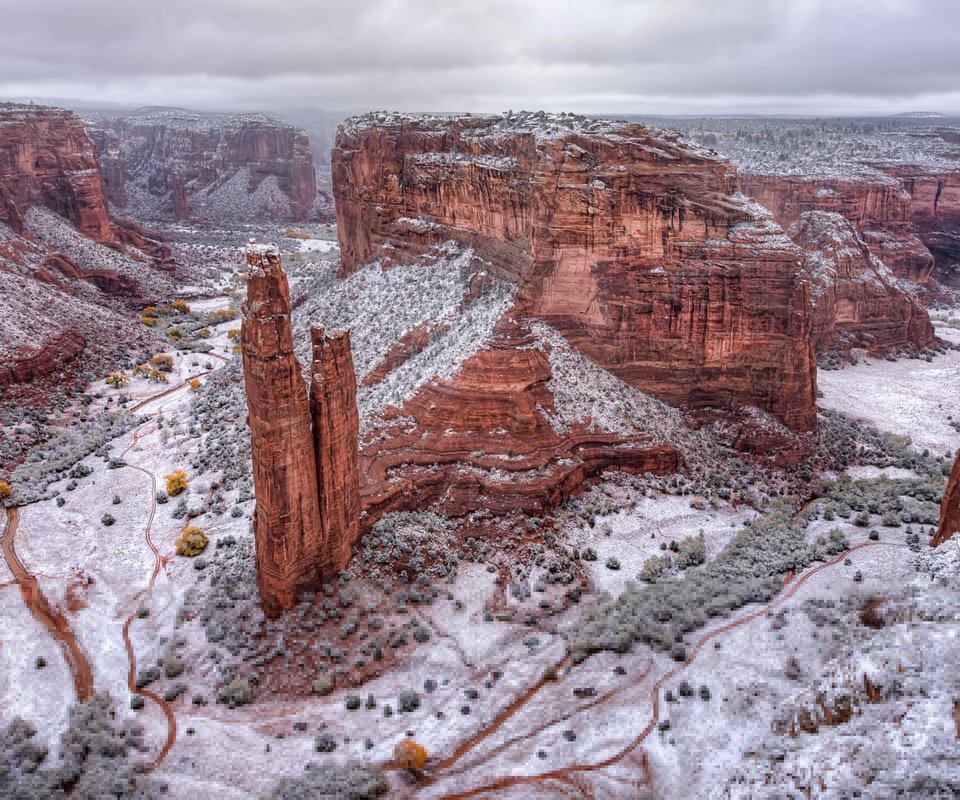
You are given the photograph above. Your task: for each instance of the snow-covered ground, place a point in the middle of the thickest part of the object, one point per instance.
(909, 397)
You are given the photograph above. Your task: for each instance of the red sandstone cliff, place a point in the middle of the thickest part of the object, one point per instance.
(175, 164)
(63, 258)
(289, 544)
(950, 508)
(857, 300)
(633, 245)
(909, 219)
(336, 433)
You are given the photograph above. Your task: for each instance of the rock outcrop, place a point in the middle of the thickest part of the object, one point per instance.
(304, 449)
(336, 434)
(172, 164)
(909, 218)
(634, 245)
(492, 439)
(858, 302)
(950, 507)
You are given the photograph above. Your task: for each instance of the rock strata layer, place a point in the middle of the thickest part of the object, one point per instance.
(634, 245)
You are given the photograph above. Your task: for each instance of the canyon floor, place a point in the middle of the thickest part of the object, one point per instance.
(841, 682)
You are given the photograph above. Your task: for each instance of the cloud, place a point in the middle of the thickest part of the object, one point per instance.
(586, 55)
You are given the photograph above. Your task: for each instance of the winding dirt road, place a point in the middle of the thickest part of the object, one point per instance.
(566, 775)
(51, 617)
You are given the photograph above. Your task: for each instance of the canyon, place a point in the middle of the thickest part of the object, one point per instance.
(636, 248)
(174, 164)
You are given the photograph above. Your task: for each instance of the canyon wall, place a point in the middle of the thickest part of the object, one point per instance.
(71, 275)
(950, 507)
(634, 246)
(909, 218)
(172, 164)
(858, 302)
(304, 447)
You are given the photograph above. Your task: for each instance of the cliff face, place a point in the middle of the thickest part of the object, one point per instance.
(336, 434)
(950, 508)
(67, 268)
(46, 159)
(634, 246)
(304, 528)
(173, 164)
(857, 301)
(910, 220)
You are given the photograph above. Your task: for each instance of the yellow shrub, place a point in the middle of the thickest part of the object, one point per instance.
(117, 380)
(409, 754)
(141, 370)
(191, 541)
(174, 334)
(176, 482)
(150, 311)
(156, 376)
(150, 322)
(162, 362)
(233, 334)
(4, 490)
(236, 349)
(202, 333)
(194, 384)
(177, 307)
(223, 315)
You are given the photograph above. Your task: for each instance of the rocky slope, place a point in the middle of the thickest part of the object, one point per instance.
(635, 246)
(857, 301)
(70, 273)
(950, 508)
(173, 164)
(909, 217)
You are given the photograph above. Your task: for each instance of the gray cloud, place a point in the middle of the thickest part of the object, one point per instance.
(586, 55)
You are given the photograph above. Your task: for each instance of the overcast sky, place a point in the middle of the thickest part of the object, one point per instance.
(626, 56)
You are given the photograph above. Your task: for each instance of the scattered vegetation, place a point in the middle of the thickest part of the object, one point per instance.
(192, 541)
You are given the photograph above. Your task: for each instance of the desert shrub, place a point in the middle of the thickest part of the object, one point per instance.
(191, 541)
(350, 781)
(161, 497)
(150, 311)
(408, 701)
(95, 758)
(692, 551)
(653, 568)
(176, 482)
(177, 307)
(233, 334)
(162, 362)
(352, 702)
(157, 376)
(107, 520)
(4, 490)
(117, 380)
(409, 755)
(194, 384)
(150, 322)
(202, 333)
(324, 743)
(236, 693)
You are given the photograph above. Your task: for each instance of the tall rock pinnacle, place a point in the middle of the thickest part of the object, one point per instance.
(336, 433)
(950, 509)
(305, 450)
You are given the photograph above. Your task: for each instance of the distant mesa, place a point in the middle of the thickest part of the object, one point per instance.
(174, 164)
